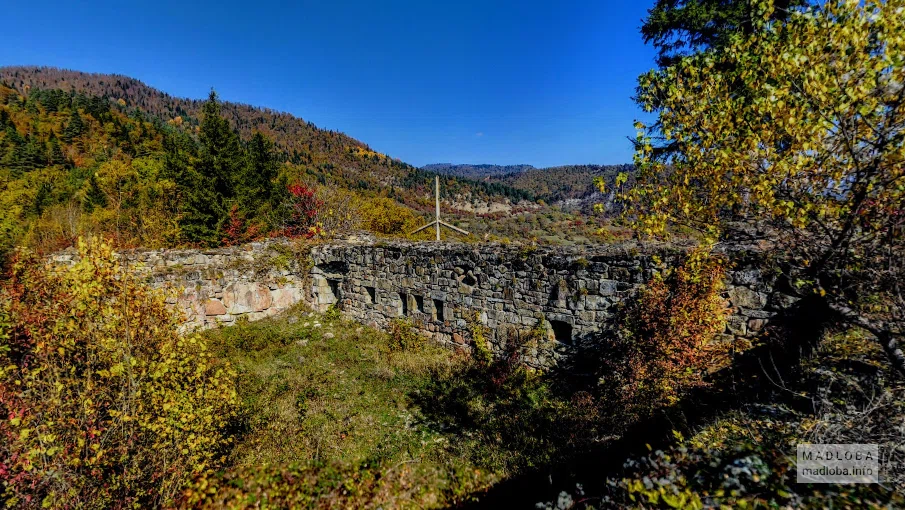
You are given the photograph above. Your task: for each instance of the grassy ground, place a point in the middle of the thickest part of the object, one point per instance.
(336, 414)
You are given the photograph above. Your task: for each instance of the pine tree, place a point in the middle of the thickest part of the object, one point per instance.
(34, 154)
(209, 184)
(94, 195)
(15, 148)
(257, 188)
(55, 154)
(681, 27)
(75, 127)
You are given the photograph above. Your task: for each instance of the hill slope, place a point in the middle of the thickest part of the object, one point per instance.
(571, 185)
(328, 156)
(475, 171)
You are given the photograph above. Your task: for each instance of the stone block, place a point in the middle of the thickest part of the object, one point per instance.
(737, 325)
(743, 297)
(214, 307)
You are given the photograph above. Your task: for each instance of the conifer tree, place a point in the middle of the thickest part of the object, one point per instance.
(257, 189)
(55, 154)
(74, 127)
(94, 196)
(209, 187)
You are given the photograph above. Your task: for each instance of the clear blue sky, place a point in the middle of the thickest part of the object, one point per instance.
(544, 83)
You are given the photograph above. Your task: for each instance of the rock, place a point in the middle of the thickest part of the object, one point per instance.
(214, 307)
(780, 301)
(755, 325)
(329, 335)
(743, 297)
(737, 326)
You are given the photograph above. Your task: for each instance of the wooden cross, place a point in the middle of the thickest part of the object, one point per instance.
(437, 222)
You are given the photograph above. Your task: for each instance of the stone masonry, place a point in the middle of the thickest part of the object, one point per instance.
(568, 293)
(444, 290)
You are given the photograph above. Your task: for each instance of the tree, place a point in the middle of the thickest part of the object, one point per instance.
(679, 28)
(257, 189)
(75, 127)
(209, 183)
(55, 154)
(811, 149)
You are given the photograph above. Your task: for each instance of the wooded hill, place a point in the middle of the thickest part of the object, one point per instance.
(84, 152)
(552, 184)
(328, 155)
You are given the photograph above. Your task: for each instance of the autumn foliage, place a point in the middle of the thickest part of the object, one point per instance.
(302, 208)
(667, 337)
(104, 404)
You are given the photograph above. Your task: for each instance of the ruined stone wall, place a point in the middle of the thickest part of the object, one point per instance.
(219, 286)
(566, 296)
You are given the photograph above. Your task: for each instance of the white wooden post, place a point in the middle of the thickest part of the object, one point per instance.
(437, 196)
(437, 221)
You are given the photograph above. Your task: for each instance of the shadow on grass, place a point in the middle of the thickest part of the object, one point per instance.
(556, 434)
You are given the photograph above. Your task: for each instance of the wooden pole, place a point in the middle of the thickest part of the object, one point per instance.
(437, 223)
(437, 196)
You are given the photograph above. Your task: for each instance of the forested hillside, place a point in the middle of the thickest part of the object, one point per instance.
(475, 171)
(87, 153)
(553, 184)
(328, 155)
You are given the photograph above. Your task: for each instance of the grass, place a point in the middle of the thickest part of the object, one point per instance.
(335, 414)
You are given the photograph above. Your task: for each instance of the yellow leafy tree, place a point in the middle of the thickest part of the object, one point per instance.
(796, 129)
(104, 404)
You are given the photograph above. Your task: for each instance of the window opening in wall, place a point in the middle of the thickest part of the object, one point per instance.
(372, 295)
(419, 304)
(405, 303)
(438, 310)
(562, 331)
(334, 288)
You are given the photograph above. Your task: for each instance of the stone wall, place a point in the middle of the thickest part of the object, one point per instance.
(218, 286)
(569, 295)
(565, 295)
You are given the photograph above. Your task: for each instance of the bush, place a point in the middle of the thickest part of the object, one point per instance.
(385, 216)
(107, 405)
(402, 337)
(666, 340)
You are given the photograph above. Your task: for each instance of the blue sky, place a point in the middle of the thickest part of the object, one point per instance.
(544, 83)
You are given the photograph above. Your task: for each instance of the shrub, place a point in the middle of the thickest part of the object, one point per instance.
(666, 340)
(402, 337)
(385, 216)
(105, 404)
(479, 332)
(301, 210)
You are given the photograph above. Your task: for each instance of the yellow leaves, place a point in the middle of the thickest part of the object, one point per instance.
(125, 418)
(740, 148)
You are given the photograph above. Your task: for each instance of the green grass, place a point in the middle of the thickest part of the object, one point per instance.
(334, 415)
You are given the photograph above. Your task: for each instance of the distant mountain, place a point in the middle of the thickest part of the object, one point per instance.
(570, 185)
(475, 171)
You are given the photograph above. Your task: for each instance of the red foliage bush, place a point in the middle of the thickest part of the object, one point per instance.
(303, 206)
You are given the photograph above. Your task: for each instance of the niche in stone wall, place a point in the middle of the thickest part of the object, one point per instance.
(327, 279)
(438, 310)
(404, 303)
(372, 295)
(562, 331)
(419, 303)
